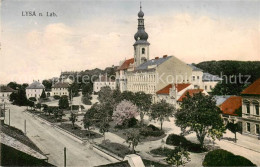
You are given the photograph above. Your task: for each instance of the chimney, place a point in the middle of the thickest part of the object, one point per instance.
(164, 56)
(156, 57)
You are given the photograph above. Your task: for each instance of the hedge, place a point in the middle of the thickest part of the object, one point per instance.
(151, 130)
(177, 140)
(56, 97)
(221, 157)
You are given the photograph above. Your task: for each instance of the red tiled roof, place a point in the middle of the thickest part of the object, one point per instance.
(179, 87)
(253, 89)
(6, 89)
(231, 105)
(191, 93)
(126, 64)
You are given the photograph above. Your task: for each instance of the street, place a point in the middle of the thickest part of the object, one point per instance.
(53, 142)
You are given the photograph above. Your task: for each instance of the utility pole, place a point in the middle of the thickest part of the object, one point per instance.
(64, 156)
(9, 117)
(25, 126)
(71, 100)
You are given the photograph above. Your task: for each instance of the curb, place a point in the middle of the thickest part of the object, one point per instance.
(241, 146)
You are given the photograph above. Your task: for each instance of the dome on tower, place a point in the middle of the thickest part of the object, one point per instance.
(141, 35)
(141, 14)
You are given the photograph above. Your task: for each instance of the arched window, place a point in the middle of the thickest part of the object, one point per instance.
(247, 104)
(143, 50)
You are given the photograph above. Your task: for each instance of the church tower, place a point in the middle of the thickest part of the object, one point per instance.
(141, 46)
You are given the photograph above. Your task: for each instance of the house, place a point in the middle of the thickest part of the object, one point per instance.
(231, 108)
(5, 93)
(191, 92)
(60, 89)
(121, 79)
(103, 81)
(35, 89)
(202, 80)
(172, 92)
(250, 110)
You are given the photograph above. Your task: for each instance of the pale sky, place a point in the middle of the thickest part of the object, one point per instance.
(97, 34)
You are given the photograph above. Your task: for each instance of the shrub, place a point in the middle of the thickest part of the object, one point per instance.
(32, 99)
(221, 157)
(56, 97)
(151, 130)
(160, 151)
(76, 107)
(86, 100)
(177, 140)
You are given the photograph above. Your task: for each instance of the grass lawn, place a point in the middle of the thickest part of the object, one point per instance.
(149, 163)
(80, 132)
(161, 152)
(51, 118)
(116, 148)
(122, 133)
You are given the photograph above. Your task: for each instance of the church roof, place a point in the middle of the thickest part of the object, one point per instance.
(253, 89)
(126, 64)
(36, 85)
(151, 64)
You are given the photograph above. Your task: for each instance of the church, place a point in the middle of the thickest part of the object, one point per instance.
(141, 73)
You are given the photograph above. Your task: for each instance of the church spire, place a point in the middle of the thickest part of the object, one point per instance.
(141, 34)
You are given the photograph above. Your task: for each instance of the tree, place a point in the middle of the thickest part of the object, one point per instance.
(14, 85)
(117, 95)
(86, 99)
(39, 106)
(47, 84)
(73, 119)
(178, 157)
(200, 114)
(104, 127)
(43, 95)
(57, 113)
(30, 104)
(45, 108)
(125, 110)
(87, 89)
(133, 139)
(161, 111)
(143, 101)
(128, 95)
(74, 89)
(234, 128)
(105, 95)
(63, 102)
(19, 97)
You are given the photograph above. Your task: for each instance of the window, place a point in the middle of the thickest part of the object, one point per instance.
(143, 50)
(248, 127)
(198, 77)
(257, 129)
(206, 87)
(247, 108)
(193, 78)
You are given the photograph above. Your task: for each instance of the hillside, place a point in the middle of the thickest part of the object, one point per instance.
(237, 75)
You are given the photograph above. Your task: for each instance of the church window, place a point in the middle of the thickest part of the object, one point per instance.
(143, 50)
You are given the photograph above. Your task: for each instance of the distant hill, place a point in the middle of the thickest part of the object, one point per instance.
(231, 71)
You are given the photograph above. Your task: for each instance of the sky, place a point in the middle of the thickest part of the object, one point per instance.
(97, 34)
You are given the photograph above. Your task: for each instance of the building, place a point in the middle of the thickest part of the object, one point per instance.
(203, 80)
(121, 79)
(5, 93)
(35, 89)
(151, 75)
(103, 81)
(230, 108)
(60, 89)
(250, 110)
(172, 92)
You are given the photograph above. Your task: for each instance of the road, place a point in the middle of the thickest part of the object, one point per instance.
(52, 142)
